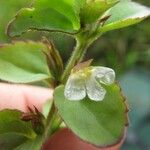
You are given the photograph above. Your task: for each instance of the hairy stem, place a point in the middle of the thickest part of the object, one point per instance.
(77, 56)
(49, 121)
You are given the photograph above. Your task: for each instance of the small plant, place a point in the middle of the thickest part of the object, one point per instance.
(86, 98)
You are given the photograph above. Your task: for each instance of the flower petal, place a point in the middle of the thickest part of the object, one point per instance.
(104, 75)
(94, 90)
(75, 88)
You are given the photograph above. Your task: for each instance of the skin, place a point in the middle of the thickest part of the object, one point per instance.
(20, 96)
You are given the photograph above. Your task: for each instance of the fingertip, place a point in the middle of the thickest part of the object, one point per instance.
(16, 96)
(36, 96)
(11, 97)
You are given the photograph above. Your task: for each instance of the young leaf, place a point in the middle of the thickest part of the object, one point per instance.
(54, 15)
(124, 14)
(13, 131)
(54, 59)
(23, 62)
(100, 123)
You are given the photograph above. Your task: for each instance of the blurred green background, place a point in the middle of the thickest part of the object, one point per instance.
(127, 51)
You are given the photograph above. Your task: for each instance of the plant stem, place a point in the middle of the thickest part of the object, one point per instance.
(77, 56)
(83, 41)
(49, 120)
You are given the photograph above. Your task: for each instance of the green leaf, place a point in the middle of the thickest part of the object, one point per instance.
(46, 108)
(31, 144)
(23, 62)
(11, 140)
(13, 130)
(79, 4)
(54, 15)
(100, 123)
(93, 10)
(124, 14)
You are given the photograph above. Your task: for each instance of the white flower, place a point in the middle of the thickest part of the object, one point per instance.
(88, 82)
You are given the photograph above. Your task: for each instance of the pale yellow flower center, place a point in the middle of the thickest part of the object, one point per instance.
(83, 74)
